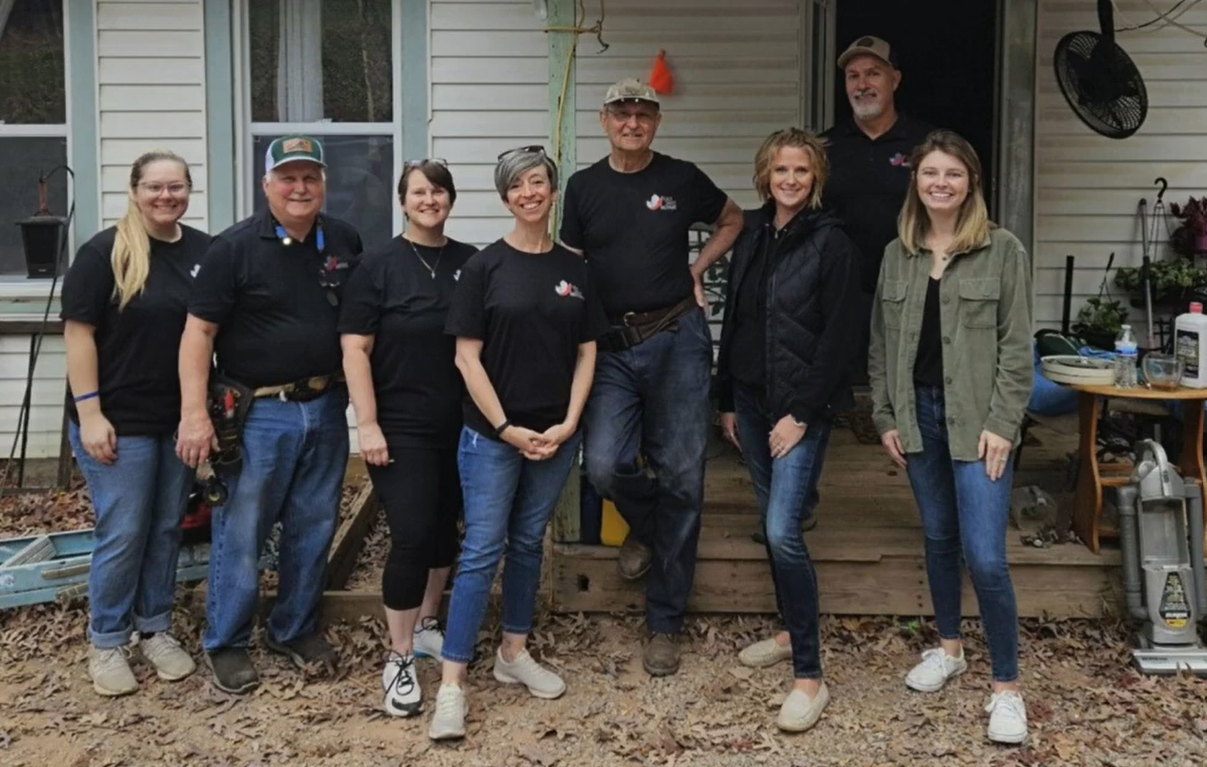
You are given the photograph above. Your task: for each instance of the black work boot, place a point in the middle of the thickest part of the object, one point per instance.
(305, 651)
(233, 670)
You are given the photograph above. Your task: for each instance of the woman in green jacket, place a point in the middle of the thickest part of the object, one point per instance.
(950, 369)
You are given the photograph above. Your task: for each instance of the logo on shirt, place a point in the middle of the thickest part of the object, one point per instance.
(334, 262)
(566, 290)
(664, 202)
(196, 268)
(457, 275)
(899, 161)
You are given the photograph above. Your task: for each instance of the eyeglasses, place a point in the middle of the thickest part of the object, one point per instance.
(420, 163)
(533, 149)
(624, 115)
(175, 189)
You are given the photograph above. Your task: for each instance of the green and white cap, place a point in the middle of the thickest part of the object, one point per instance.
(291, 148)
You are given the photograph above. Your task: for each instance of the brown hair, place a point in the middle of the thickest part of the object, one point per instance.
(437, 173)
(131, 254)
(972, 223)
(801, 139)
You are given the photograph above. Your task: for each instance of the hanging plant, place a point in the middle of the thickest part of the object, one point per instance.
(1190, 238)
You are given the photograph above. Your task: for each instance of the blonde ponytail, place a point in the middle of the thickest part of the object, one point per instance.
(131, 256)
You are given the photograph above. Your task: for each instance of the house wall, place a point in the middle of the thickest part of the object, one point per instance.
(1087, 186)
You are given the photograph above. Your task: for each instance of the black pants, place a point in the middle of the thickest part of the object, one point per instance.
(421, 493)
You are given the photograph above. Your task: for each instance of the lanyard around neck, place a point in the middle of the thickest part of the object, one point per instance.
(286, 240)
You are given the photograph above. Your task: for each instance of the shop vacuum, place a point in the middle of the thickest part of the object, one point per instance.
(1161, 541)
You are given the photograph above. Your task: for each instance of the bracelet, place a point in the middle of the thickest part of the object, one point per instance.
(88, 396)
(502, 428)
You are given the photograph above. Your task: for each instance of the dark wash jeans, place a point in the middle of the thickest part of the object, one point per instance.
(783, 487)
(963, 512)
(652, 399)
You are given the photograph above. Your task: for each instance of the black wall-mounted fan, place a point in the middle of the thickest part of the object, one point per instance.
(1099, 80)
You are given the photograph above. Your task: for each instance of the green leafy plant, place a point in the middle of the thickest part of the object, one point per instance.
(1101, 317)
(1169, 278)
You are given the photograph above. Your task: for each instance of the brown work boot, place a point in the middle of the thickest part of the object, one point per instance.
(634, 558)
(661, 657)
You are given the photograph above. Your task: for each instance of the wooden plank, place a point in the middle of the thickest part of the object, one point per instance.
(350, 537)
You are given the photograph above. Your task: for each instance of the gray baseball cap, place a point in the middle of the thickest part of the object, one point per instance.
(868, 46)
(631, 89)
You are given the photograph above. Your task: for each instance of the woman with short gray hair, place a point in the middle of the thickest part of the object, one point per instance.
(526, 322)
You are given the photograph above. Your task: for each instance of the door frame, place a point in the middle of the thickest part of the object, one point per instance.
(1014, 181)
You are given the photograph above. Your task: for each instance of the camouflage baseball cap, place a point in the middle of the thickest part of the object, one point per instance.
(290, 148)
(868, 46)
(631, 89)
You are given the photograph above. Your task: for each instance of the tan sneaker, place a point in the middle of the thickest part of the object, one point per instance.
(762, 654)
(540, 681)
(110, 671)
(170, 660)
(800, 712)
(448, 722)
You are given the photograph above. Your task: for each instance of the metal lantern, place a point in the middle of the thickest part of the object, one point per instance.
(42, 237)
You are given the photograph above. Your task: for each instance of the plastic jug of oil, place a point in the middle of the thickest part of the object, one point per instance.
(1190, 345)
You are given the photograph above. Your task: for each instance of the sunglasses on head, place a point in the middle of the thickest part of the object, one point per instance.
(420, 163)
(533, 149)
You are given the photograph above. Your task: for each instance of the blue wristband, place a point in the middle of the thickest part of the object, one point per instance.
(89, 395)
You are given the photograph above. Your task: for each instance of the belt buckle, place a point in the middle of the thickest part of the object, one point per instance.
(317, 383)
(624, 319)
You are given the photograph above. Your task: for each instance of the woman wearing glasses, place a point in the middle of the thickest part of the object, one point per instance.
(124, 306)
(406, 394)
(526, 322)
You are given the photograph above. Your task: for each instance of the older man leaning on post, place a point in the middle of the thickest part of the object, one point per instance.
(646, 421)
(266, 299)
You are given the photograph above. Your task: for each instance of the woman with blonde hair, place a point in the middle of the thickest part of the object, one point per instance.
(950, 369)
(787, 346)
(124, 305)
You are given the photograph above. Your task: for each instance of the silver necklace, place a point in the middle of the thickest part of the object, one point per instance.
(431, 268)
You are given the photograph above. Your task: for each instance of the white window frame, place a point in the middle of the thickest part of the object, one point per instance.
(247, 131)
(18, 284)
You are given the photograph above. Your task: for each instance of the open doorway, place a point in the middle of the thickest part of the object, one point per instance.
(947, 55)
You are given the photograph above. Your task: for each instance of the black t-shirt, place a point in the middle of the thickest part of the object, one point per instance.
(531, 311)
(277, 320)
(633, 229)
(137, 348)
(928, 365)
(868, 183)
(748, 359)
(393, 296)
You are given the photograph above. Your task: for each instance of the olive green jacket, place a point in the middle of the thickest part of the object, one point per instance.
(985, 320)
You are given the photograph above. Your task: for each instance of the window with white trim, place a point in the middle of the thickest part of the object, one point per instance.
(33, 117)
(327, 68)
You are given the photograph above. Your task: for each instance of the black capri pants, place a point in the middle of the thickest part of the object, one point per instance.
(421, 492)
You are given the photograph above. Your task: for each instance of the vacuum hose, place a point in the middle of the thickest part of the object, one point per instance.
(1129, 549)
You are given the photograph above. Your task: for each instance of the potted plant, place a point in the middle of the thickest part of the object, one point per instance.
(1190, 238)
(1173, 282)
(1099, 321)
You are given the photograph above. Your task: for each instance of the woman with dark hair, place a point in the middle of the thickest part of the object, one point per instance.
(526, 320)
(124, 306)
(406, 394)
(787, 346)
(950, 369)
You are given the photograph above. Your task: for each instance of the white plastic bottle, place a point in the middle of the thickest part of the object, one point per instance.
(1125, 358)
(1190, 345)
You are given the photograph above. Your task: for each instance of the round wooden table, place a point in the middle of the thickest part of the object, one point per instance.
(1092, 478)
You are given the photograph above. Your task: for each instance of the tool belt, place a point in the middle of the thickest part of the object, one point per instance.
(300, 391)
(228, 404)
(632, 328)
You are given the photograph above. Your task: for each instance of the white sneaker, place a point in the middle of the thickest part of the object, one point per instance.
(1007, 718)
(449, 720)
(539, 680)
(163, 652)
(110, 671)
(762, 654)
(403, 697)
(935, 669)
(800, 712)
(428, 639)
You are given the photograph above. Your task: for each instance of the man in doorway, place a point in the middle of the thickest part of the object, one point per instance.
(869, 163)
(267, 300)
(647, 417)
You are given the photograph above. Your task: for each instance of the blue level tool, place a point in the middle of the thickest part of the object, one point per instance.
(44, 568)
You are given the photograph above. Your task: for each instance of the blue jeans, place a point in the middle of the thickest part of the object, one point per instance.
(507, 504)
(652, 400)
(783, 487)
(139, 501)
(963, 512)
(294, 456)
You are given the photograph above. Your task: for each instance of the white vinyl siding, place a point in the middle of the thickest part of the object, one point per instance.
(489, 92)
(1087, 186)
(151, 94)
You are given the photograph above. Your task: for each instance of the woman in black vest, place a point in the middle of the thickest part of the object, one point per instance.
(406, 393)
(787, 345)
